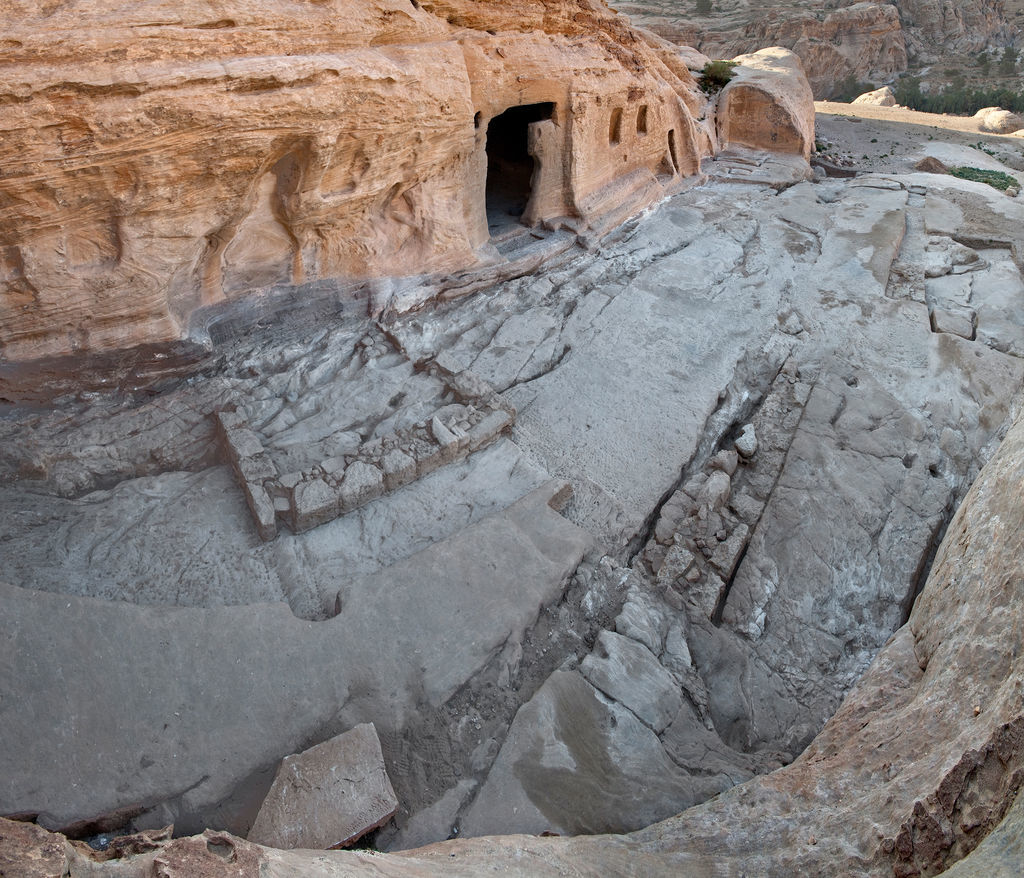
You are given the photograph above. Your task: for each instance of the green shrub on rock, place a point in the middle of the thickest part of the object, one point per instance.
(996, 179)
(715, 75)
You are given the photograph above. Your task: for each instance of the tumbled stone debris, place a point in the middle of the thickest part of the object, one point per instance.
(746, 443)
(329, 796)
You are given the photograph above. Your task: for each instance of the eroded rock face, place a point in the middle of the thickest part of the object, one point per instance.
(768, 104)
(960, 27)
(195, 156)
(865, 40)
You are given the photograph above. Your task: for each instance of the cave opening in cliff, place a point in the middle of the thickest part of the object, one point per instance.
(511, 167)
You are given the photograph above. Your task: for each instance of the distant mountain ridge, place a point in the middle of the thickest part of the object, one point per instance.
(841, 40)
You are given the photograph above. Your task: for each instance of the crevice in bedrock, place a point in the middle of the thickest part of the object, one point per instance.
(716, 615)
(458, 742)
(924, 568)
(542, 371)
(877, 559)
(753, 376)
(701, 539)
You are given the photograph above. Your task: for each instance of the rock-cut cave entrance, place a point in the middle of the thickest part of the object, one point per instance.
(511, 167)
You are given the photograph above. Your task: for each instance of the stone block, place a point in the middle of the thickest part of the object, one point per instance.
(447, 439)
(959, 323)
(704, 594)
(678, 561)
(489, 429)
(264, 513)
(290, 481)
(727, 461)
(399, 469)
(641, 620)
(628, 672)
(243, 442)
(363, 482)
(257, 468)
(230, 420)
(727, 554)
(746, 442)
(333, 466)
(428, 458)
(714, 494)
(315, 503)
(328, 796)
(469, 387)
(746, 507)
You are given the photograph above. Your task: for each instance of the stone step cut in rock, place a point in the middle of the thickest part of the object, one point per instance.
(328, 796)
(252, 467)
(308, 499)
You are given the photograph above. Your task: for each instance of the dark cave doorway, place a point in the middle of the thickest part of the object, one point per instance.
(510, 166)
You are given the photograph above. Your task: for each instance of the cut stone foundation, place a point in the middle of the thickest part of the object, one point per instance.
(338, 485)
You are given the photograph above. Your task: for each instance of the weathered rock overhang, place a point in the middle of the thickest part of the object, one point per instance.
(189, 166)
(194, 170)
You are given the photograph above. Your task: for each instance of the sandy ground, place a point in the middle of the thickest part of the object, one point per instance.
(892, 139)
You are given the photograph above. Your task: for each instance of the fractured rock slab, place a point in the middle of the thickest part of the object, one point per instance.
(575, 762)
(268, 679)
(328, 796)
(628, 672)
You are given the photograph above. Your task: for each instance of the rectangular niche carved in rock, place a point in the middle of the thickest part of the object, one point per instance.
(615, 127)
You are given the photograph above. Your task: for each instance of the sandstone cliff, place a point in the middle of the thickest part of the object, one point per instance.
(165, 157)
(937, 26)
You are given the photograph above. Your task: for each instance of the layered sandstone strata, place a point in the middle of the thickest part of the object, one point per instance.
(163, 158)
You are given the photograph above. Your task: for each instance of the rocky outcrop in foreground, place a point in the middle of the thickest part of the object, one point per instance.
(921, 762)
